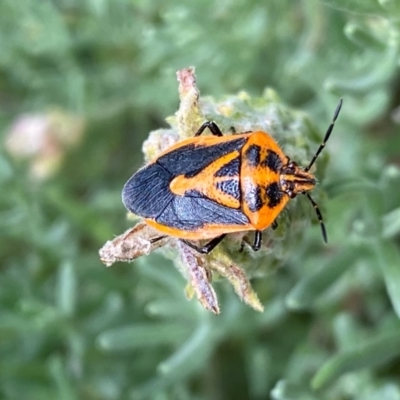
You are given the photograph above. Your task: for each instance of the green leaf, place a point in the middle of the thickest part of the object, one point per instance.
(309, 288)
(66, 390)
(381, 7)
(142, 335)
(66, 289)
(191, 354)
(388, 259)
(391, 224)
(369, 354)
(286, 390)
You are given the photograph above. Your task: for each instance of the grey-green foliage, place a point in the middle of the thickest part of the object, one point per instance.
(71, 329)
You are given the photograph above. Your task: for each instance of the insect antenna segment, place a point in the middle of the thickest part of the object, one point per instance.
(319, 216)
(327, 134)
(320, 148)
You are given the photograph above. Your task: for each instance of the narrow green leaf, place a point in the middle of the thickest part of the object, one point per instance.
(259, 365)
(362, 35)
(349, 184)
(65, 387)
(83, 217)
(391, 224)
(286, 390)
(388, 258)
(6, 170)
(142, 335)
(189, 357)
(360, 6)
(366, 355)
(191, 354)
(308, 289)
(66, 289)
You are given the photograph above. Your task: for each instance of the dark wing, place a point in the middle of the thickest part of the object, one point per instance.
(147, 193)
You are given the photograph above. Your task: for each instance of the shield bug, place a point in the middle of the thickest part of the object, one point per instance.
(205, 187)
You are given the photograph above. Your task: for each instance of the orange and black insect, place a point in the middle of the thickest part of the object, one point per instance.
(208, 186)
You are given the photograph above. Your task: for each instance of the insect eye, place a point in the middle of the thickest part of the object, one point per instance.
(290, 168)
(288, 187)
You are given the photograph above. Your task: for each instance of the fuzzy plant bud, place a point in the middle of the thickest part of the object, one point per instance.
(233, 259)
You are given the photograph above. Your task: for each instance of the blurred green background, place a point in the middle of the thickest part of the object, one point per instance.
(82, 82)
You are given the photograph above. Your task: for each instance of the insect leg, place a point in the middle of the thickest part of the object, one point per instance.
(212, 126)
(274, 225)
(157, 239)
(257, 241)
(206, 248)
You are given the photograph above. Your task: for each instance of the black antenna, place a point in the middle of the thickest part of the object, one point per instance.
(319, 216)
(327, 134)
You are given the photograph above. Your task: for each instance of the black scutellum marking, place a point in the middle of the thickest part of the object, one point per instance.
(190, 160)
(253, 198)
(273, 194)
(272, 161)
(252, 155)
(230, 187)
(231, 168)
